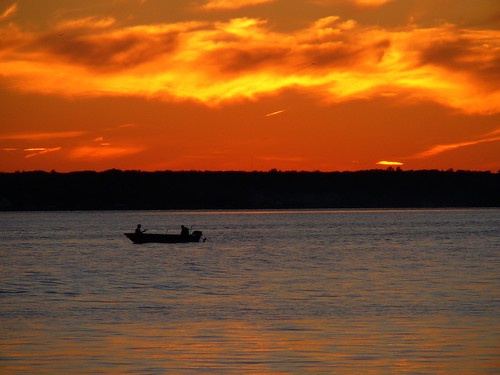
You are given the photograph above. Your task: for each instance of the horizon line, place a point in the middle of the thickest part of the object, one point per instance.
(272, 170)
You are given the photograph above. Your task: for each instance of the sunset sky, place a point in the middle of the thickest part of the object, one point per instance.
(249, 84)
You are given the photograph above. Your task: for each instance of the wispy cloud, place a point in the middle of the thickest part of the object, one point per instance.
(490, 137)
(96, 148)
(10, 11)
(232, 4)
(36, 151)
(86, 23)
(371, 3)
(361, 3)
(275, 113)
(244, 58)
(40, 136)
(99, 153)
(101, 142)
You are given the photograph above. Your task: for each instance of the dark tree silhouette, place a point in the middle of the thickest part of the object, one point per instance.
(115, 190)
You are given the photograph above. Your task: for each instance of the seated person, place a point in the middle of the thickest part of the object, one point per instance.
(138, 229)
(184, 231)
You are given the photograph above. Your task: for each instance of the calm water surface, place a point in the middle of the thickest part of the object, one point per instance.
(269, 292)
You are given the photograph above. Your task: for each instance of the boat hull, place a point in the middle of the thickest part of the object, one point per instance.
(163, 238)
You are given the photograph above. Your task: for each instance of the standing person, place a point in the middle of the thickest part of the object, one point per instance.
(184, 231)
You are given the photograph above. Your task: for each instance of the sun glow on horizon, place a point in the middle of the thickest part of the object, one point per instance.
(389, 163)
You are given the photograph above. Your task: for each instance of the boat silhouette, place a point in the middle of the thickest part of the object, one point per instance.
(139, 238)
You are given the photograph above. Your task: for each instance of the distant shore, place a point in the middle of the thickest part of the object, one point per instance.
(169, 190)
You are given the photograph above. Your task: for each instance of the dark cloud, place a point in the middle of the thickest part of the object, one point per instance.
(238, 60)
(108, 52)
(344, 56)
(446, 53)
(478, 60)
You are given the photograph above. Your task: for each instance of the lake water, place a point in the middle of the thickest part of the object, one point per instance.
(269, 292)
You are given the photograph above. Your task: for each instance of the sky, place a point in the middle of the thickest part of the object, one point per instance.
(306, 85)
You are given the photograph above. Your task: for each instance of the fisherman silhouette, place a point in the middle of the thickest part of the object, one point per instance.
(138, 229)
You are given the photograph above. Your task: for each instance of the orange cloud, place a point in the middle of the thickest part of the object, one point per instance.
(10, 11)
(374, 3)
(232, 4)
(86, 23)
(383, 162)
(491, 137)
(243, 59)
(360, 3)
(40, 151)
(98, 153)
(101, 142)
(38, 136)
(275, 113)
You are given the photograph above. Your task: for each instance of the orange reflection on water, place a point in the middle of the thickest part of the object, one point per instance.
(347, 346)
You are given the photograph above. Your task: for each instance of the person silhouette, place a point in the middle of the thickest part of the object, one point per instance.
(138, 230)
(184, 231)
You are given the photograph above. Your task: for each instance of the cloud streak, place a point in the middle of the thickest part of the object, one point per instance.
(372, 3)
(10, 11)
(275, 113)
(40, 136)
(100, 153)
(232, 4)
(360, 3)
(438, 149)
(243, 59)
(37, 151)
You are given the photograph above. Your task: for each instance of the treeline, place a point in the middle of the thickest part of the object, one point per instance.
(134, 190)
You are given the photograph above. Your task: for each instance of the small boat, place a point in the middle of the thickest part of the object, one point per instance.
(164, 238)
